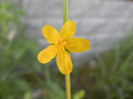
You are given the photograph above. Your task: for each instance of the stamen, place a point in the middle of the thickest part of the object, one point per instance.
(61, 43)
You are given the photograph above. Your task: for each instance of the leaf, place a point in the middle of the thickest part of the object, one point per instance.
(79, 95)
(28, 95)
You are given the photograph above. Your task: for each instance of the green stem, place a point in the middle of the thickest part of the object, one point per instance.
(68, 86)
(65, 11)
(67, 76)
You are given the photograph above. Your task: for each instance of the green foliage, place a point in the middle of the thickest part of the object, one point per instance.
(28, 95)
(79, 95)
(111, 74)
(13, 88)
(54, 91)
(15, 50)
(117, 70)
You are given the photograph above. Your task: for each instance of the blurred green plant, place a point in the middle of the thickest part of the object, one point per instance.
(108, 75)
(79, 95)
(54, 91)
(117, 70)
(15, 50)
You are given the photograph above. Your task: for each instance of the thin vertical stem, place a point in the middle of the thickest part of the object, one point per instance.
(68, 86)
(67, 76)
(65, 11)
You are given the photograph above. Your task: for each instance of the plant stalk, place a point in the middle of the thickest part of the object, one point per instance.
(67, 76)
(65, 11)
(68, 86)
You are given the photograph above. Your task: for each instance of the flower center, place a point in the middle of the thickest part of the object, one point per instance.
(61, 43)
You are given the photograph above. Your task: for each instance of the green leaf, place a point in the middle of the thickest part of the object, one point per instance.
(28, 95)
(79, 95)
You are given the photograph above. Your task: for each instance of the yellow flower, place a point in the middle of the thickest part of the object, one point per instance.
(61, 43)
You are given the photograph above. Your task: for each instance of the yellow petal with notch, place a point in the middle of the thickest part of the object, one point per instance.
(78, 45)
(51, 34)
(68, 30)
(47, 54)
(64, 62)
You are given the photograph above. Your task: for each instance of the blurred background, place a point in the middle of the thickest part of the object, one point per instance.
(103, 72)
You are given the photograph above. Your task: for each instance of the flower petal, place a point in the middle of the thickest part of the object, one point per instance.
(47, 54)
(51, 34)
(64, 62)
(68, 30)
(78, 45)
